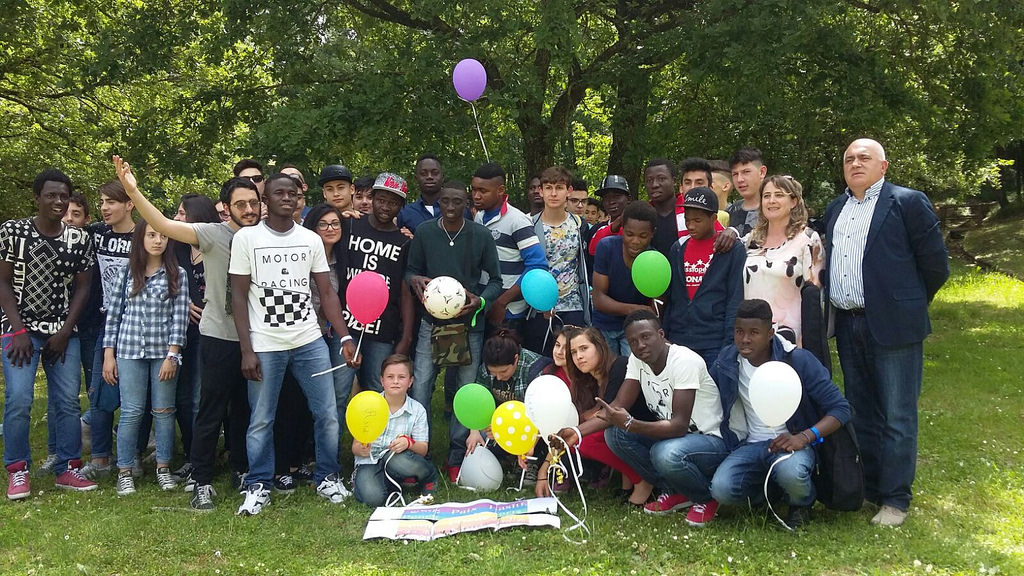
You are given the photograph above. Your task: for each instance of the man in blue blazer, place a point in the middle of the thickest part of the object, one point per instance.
(885, 260)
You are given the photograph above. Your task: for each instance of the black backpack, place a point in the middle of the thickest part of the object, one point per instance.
(839, 473)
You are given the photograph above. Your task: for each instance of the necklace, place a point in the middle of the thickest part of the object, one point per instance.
(451, 239)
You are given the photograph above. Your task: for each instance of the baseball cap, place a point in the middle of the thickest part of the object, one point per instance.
(334, 172)
(391, 183)
(701, 197)
(613, 183)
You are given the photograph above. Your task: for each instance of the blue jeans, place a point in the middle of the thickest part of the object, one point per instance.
(681, 465)
(303, 362)
(883, 384)
(374, 354)
(616, 340)
(139, 380)
(371, 487)
(87, 345)
(424, 380)
(62, 384)
(101, 420)
(739, 479)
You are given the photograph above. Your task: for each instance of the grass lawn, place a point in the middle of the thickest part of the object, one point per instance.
(967, 516)
(1000, 245)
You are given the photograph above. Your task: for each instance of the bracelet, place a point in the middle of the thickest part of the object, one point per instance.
(818, 439)
(408, 438)
(629, 421)
(11, 335)
(809, 440)
(345, 338)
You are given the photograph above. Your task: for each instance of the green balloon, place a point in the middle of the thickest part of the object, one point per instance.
(651, 273)
(474, 406)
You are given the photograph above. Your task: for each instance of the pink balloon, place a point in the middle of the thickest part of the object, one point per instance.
(367, 296)
(470, 79)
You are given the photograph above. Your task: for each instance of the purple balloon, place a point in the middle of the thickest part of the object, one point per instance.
(470, 79)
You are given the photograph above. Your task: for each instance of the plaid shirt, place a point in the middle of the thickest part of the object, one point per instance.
(410, 419)
(145, 325)
(514, 388)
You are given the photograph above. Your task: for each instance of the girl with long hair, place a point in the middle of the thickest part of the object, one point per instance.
(144, 336)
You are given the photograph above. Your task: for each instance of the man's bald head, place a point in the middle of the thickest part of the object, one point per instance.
(864, 164)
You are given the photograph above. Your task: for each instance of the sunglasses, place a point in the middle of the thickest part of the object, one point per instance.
(255, 179)
(241, 204)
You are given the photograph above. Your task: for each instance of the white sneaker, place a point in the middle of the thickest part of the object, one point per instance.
(256, 497)
(125, 484)
(333, 489)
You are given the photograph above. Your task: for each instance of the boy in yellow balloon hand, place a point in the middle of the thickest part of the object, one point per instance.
(399, 453)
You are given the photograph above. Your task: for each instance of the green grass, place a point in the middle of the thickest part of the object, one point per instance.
(967, 515)
(999, 244)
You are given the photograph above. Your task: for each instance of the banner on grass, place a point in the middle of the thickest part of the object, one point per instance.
(432, 522)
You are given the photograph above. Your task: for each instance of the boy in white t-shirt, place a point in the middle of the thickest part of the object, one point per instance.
(271, 301)
(679, 453)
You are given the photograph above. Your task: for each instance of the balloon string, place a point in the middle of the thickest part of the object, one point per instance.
(339, 367)
(359, 345)
(479, 133)
(392, 501)
(551, 330)
(575, 472)
(766, 478)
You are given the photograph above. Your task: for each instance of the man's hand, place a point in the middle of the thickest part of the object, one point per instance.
(474, 440)
(726, 238)
(348, 350)
(195, 313)
(124, 174)
(20, 350)
(787, 442)
(496, 315)
(251, 366)
(418, 285)
(612, 414)
(406, 232)
(472, 304)
(360, 449)
(565, 436)
(402, 347)
(55, 347)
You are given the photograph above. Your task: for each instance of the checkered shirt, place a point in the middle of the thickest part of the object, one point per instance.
(146, 324)
(410, 419)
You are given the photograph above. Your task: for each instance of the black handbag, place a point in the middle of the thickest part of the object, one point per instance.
(839, 473)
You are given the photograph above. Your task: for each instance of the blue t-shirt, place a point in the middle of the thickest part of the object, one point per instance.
(609, 262)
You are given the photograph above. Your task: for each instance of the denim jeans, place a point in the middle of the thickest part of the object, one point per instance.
(87, 345)
(681, 465)
(62, 384)
(139, 380)
(101, 421)
(374, 354)
(883, 384)
(371, 487)
(303, 362)
(739, 479)
(424, 381)
(616, 340)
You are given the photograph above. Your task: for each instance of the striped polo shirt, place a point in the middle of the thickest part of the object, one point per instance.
(513, 233)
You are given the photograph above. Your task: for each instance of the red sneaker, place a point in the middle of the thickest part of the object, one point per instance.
(700, 514)
(72, 479)
(667, 503)
(17, 481)
(453, 473)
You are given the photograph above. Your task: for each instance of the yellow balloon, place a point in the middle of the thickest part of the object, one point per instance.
(512, 430)
(367, 416)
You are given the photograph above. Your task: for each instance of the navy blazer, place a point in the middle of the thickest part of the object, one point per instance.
(905, 263)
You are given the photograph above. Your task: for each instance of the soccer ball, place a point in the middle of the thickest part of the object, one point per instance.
(444, 297)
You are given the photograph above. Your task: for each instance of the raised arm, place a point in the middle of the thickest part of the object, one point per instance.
(180, 231)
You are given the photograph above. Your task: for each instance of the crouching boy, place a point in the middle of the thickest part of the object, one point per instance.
(739, 480)
(400, 452)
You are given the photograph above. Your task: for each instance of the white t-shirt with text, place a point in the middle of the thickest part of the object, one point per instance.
(684, 370)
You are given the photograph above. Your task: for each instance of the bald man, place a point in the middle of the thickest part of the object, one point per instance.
(885, 260)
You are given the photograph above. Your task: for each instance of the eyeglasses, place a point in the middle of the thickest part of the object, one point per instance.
(256, 179)
(577, 201)
(241, 204)
(328, 225)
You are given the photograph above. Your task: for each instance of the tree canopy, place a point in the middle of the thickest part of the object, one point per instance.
(183, 89)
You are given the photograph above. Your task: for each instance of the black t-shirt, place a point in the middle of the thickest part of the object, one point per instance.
(666, 234)
(112, 249)
(366, 248)
(43, 271)
(616, 376)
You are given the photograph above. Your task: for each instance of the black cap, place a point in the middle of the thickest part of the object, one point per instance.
(334, 172)
(701, 197)
(614, 183)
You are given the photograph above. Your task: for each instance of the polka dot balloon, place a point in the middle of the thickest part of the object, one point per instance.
(512, 430)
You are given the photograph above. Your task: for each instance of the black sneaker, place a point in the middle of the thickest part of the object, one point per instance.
(284, 484)
(238, 481)
(303, 475)
(202, 498)
(183, 473)
(798, 516)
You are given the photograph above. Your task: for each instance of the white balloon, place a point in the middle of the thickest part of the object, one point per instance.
(480, 470)
(549, 405)
(775, 392)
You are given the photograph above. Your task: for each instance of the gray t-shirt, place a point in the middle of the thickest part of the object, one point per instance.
(215, 244)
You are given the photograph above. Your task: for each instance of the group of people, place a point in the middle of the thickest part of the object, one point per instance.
(233, 315)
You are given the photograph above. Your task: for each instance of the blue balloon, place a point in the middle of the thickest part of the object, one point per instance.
(540, 289)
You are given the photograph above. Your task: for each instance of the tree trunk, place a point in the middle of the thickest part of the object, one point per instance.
(629, 122)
